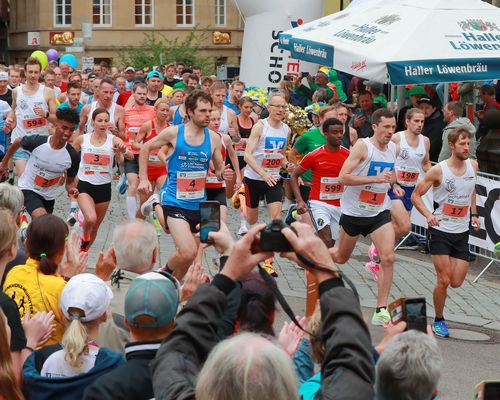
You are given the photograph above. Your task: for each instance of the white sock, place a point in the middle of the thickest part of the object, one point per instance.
(73, 206)
(131, 206)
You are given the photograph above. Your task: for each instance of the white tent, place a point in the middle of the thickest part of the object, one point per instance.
(405, 41)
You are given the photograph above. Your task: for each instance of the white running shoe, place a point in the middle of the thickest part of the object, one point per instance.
(243, 230)
(147, 207)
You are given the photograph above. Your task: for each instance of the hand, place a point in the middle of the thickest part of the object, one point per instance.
(359, 120)
(223, 240)
(433, 220)
(476, 223)
(304, 242)
(120, 146)
(384, 177)
(3, 167)
(193, 279)
(238, 183)
(302, 207)
(144, 186)
(228, 173)
(309, 78)
(269, 179)
(296, 80)
(76, 260)
(73, 193)
(290, 167)
(39, 329)
(39, 111)
(232, 132)
(398, 190)
(105, 264)
(9, 123)
(290, 336)
(390, 332)
(242, 260)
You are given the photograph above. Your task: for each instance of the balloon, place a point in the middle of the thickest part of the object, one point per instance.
(52, 54)
(70, 59)
(42, 57)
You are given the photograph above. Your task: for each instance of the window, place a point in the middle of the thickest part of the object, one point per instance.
(220, 12)
(185, 12)
(62, 12)
(144, 12)
(101, 12)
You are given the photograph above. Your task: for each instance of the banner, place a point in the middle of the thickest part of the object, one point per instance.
(262, 62)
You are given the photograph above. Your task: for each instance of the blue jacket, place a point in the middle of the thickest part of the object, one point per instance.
(40, 387)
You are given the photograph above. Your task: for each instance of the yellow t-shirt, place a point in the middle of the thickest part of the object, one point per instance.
(34, 291)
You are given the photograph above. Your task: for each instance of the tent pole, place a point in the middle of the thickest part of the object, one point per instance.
(446, 94)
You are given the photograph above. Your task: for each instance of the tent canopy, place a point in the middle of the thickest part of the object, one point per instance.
(404, 41)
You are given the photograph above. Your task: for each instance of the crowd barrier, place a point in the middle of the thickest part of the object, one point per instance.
(481, 243)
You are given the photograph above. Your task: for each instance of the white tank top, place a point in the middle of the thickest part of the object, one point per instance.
(269, 150)
(453, 197)
(224, 122)
(370, 200)
(28, 122)
(96, 165)
(89, 127)
(409, 162)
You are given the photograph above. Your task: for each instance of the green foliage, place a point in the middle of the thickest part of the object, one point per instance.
(156, 47)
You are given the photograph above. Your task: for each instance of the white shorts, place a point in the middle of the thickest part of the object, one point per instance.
(325, 214)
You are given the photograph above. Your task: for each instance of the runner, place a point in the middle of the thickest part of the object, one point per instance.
(368, 173)
(265, 156)
(32, 105)
(191, 147)
(350, 134)
(453, 182)
(411, 164)
(96, 173)
(136, 115)
(154, 81)
(106, 89)
(51, 157)
(236, 90)
(178, 112)
(325, 163)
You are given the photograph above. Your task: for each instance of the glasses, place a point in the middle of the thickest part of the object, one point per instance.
(277, 106)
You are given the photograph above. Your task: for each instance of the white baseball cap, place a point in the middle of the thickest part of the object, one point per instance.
(88, 293)
(4, 76)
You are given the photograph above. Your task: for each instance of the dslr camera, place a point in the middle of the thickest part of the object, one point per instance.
(271, 238)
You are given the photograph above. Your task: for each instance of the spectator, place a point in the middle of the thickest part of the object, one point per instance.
(487, 93)
(37, 285)
(433, 125)
(5, 92)
(409, 367)
(320, 81)
(465, 92)
(129, 77)
(453, 112)
(362, 118)
(169, 78)
(150, 306)
(415, 94)
(250, 366)
(375, 88)
(9, 384)
(63, 371)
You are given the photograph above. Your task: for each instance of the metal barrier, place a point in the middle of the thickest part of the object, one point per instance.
(421, 232)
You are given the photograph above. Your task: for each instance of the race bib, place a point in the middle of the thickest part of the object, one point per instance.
(240, 147)
(190, 185)
(44, 180)
(95, 163)
(330, 189)
(154, 158)
(31, 125)
(407, 176)
(372, 198)
(272, 162)
(455, 211)
(212, 179)
(132, 134)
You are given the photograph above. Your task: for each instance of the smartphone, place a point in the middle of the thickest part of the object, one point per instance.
(288, 78)
(416, 314)
(209, 219)
(487, 390)
(304, 74)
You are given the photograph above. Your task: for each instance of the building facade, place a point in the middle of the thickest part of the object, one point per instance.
(114, 24)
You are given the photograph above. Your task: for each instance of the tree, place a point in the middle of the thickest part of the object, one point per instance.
(156, 49)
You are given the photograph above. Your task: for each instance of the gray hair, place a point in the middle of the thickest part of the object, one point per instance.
(247, 367)
(135, 243)
(11, 198)
(321, 95)
(409, 368)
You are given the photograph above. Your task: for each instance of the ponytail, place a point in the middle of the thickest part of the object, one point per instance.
(75, 340)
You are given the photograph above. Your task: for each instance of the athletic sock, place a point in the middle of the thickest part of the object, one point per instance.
(73, 206)
(438, 319)
(131, 206)
(378, 309)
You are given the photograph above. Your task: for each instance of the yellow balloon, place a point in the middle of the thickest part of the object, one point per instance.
(42, 57)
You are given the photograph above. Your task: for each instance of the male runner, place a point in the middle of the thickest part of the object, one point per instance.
(236, 90)
(453, 182)
(228, 121)
(191, 147)
(116, 112)
(368, 173)
(154, 81)
(32, 105)
(265, 155)
(135, 115)
(325, 164)
(51, 157)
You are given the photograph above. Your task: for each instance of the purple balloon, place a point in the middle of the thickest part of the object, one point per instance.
(52, 54)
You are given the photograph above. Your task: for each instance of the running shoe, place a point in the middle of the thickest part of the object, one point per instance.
(291, 216)
(243, 229)
(373, 268)
(84, 245)
(373, 254)
(381, 318)
(147, 207)
(269, 268)
(122, 184)
(440, 328)
(71, 219)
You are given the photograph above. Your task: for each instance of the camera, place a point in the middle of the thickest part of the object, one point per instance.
(271, 238)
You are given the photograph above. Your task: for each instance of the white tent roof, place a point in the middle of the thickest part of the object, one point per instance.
(405, 41)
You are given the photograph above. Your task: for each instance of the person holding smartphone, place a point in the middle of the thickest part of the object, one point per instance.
(362, 118)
